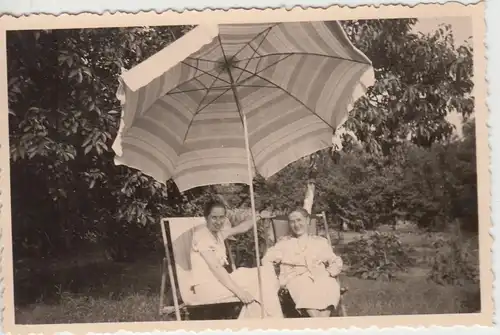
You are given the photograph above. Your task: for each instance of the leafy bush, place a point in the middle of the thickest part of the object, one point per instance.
(455, 262)
(379, 256)
(244, 246)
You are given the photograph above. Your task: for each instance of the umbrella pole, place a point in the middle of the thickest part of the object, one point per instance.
(255, 231)
(252, 197)
(254, 217)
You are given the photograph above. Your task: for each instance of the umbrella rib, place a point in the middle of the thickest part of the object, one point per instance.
(184, 82)
(237, 52)
(233, 87)
(238, 85)
(305, 54)
(199, 81)
(205, 72)
(255, 86)
(290, 95)
(203, 59)
(198, 110)
(254, 51)
(187, 91)
(267, 30)
(220, 88)
(251, 47)
(213, 100)
(267, 67)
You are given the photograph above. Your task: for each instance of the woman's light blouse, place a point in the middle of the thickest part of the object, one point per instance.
(315, 258)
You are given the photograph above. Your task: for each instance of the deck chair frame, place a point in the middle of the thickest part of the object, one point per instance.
(168, 270)
(341, 310)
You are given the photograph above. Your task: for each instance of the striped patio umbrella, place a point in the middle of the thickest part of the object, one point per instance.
(225, 102)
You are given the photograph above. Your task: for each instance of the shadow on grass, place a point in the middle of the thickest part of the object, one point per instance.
(108, 280)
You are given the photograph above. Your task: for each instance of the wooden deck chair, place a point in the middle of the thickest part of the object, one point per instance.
(177, 234)
(281, 228)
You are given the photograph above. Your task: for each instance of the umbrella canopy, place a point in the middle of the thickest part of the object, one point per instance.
(193, 111)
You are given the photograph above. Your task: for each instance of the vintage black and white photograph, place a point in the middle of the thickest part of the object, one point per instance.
(247, 170)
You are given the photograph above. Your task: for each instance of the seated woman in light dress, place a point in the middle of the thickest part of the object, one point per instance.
(308, 267)
(212, 282)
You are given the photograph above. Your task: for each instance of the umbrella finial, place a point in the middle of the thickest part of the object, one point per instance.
(227, 64)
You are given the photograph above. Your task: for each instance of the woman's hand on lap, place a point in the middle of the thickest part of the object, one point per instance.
(245, 297)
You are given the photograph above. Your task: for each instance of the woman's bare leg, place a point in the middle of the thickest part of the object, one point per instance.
(325, 313)
(319, 313)
(313, 313)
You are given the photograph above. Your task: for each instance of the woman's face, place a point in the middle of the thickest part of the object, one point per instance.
(216, 219)
(298, 223)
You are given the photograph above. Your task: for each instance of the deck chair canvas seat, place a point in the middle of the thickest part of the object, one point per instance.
(178, 265)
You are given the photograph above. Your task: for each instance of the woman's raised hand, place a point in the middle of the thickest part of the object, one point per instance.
(266, 215)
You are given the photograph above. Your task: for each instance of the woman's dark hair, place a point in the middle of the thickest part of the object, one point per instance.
(301, 210)
(211, 204)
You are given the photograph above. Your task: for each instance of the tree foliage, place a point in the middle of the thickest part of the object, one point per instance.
(429, 186)
(420, 79)
(63, 119)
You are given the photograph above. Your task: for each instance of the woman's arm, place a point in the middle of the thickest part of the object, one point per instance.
(224, 278)
(334, 263)
(273, 255)
(309, 197)
(242, 221)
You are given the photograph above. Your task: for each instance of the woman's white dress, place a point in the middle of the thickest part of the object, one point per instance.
(207, 287)
(308, 270)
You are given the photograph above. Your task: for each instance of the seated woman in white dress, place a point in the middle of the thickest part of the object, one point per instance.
(308, 267)
(210, 279)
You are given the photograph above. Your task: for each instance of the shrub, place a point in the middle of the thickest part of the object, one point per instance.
(378, 256)
(455, 261)
(244, 246)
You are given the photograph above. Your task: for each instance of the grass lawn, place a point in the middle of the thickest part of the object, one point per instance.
(113, 292)
(406, 297)
(365, 297)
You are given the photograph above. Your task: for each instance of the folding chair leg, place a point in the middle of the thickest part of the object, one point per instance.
(163, 284)
(341, 309)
